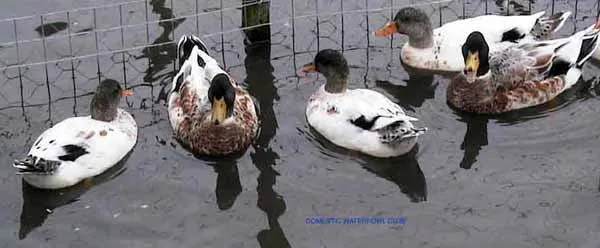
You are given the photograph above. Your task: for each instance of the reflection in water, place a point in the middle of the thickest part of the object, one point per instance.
(475, 138)
(260, 85)
(228, 183)
(39, 203)
(403, 171)
(476, 135)
(414, 94)
(160, 57)
(514, 7)
(51, 28)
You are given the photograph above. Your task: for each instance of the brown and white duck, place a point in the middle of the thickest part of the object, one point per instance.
(209, 113)
(519, 75)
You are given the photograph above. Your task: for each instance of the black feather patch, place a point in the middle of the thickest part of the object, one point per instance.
(73, 152)
(201, 62)
(559, 67)
(199, 43)
(512, 35)
(178, 82)
(363, 123)
(587, 47)
(185, 48)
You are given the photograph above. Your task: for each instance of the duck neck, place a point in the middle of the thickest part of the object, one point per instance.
(335, 84)
(103, 110)
(423, 38)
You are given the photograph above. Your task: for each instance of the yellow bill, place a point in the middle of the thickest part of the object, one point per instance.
(471, 66)
(218, 111)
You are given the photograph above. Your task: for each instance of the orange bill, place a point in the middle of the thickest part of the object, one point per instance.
(127, 92)
(310, 67)
(390, 28)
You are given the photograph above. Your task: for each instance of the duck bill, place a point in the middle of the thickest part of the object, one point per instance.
(471, 67)
(126, 92)
(390, 28)
(218, 111)
(310, 67)
(470, 77)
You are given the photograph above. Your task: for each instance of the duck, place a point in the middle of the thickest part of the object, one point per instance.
(79, 148)
(360, 120)
(438, 50)
(210, 114)
(519, 75)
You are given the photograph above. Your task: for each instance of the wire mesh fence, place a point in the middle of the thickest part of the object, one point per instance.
(62, 55)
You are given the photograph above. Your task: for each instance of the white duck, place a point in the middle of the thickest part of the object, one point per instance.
(82, 147)
(438, 49)
(361, 119)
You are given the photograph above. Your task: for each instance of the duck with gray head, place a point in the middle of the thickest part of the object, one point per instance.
(357, 119)
(438, 50)
(82, 147)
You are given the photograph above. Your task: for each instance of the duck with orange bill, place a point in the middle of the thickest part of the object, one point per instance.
(438, 50)
(82, 147)
(357, 119)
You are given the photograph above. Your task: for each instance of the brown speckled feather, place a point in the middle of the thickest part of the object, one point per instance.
(201, 136)
(482, 97)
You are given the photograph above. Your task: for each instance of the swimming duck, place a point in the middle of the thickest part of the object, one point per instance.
(78, 148)
(361, 119)
(438, 49)
(519, 75)
(209, 113)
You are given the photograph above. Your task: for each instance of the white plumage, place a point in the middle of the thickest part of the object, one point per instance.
(104, 144)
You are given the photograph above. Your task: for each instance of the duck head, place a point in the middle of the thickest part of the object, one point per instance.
(221, 95)
(106, 100)
(333, 66)
(475, 53)
(412, 22)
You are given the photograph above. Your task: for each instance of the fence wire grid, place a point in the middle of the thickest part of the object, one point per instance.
(64, 54)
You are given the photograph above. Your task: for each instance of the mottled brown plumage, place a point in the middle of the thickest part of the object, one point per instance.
(210, 114)
(519, 75)
(482, 97)
(203, 137)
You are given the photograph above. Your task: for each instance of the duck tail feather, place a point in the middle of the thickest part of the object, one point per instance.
(32, 165)
(185, 46)
(589, 44)
(547, 25)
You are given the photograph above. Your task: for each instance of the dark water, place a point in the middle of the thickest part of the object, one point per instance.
(524, 179)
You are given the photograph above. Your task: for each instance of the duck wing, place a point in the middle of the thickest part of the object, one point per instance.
(370, 110)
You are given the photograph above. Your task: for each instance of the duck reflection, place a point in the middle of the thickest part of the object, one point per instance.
(228, 183)
(38, 204)
(404, 171)
(475, 138)
(476, 135)
(414, 94)
(260, 85)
